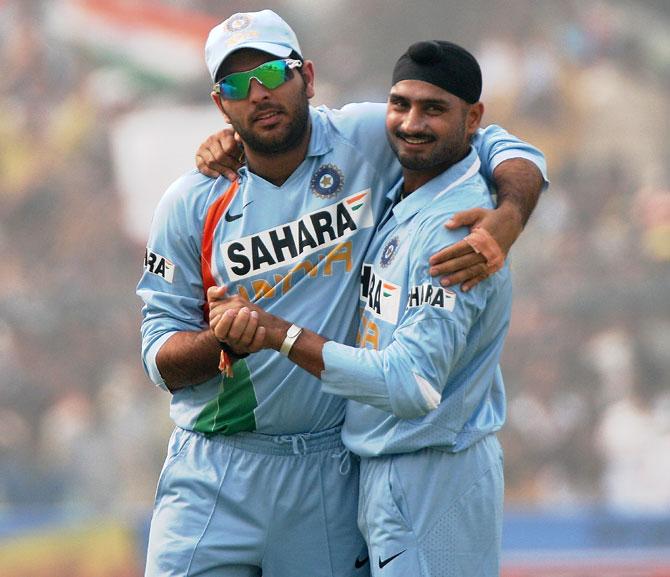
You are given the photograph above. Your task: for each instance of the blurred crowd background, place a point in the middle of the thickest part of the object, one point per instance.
(102, 103)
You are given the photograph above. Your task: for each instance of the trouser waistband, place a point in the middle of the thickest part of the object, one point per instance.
(295, 444)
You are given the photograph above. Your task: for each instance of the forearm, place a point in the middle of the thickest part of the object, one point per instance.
(383, 379)
(307, 351)
(188, 358)
(519, 183)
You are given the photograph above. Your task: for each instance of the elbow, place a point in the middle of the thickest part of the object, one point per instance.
(410, 412)
(152, 365)
(416, 401)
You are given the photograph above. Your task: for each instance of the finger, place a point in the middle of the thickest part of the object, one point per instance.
(465, 275)
(215, 294)
(228, 172)
(461, 248)
(458, 264)
(258, 340)
(215, 149)
(250, 330)
(203, 167)
(223, 325)
(466, 286)
(214, 318)
(228, 148)
(218, 299)
(465, 218)
(238, 325)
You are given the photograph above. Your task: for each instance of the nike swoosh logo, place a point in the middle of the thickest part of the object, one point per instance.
(385, 562)
(233, 217)
(360, 562)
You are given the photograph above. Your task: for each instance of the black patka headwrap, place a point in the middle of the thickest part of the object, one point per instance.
(443, 64)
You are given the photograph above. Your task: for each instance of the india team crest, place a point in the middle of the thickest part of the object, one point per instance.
(390, 250)
(239, 22)
(327, 181)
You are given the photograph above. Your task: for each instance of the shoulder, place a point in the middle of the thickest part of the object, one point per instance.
(190, 196)
(361, 123)
(191, 187)
(429, 234)
(473, 193)
(361, 129)
(355, 113)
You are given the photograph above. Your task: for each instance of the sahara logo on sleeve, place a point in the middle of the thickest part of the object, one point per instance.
(159, 265)
(381, 297)
(434, 296)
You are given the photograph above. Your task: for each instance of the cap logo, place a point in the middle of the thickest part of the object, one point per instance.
(327, 181)
(238, 38)
(239, 22)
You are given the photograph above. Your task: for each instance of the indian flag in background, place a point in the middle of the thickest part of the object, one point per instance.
(154, 38)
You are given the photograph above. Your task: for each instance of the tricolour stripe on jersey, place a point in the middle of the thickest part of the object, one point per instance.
(232, 410)
(214, 214)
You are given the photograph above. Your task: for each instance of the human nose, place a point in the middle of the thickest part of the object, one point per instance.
(257, 91)
(413, 120)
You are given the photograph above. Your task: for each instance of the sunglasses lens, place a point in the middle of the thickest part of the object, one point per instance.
(270, 74)
(235, 86)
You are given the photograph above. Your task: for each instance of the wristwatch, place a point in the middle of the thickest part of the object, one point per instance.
(292, 335)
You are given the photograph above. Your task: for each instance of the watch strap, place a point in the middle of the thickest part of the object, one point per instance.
(292, 335)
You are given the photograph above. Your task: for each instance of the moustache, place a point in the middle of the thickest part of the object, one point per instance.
(265, 107)
(420, 135)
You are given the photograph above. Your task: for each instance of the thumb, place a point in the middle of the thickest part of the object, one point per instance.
(466, 218)
(216, 292)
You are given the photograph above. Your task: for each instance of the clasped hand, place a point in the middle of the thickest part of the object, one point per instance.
(243, 326)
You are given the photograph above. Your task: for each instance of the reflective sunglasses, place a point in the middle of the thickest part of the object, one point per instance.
(271, 74)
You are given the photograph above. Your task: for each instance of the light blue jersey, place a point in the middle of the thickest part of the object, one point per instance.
(427, 374)
(295, 249)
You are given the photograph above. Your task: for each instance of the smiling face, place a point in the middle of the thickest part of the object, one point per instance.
(429, 129)
(269, 121)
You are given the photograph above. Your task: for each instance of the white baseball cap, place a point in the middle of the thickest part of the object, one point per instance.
(262, 30)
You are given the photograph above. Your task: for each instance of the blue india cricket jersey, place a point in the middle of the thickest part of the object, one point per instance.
(295, 249)
(427, 372)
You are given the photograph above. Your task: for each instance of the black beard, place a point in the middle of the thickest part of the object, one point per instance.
(452, 150)
(448, 158)
(280, 143)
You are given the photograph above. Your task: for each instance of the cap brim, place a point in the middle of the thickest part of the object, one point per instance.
(269, 47)
(273, 49)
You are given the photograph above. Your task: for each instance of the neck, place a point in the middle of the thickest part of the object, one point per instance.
(413, 179)
(277, 167)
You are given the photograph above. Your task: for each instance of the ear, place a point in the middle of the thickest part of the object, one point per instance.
(307, 73)
(474, 117)
(219, 104)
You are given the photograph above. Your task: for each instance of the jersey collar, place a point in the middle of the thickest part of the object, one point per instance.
(320, 141)
(435, 188)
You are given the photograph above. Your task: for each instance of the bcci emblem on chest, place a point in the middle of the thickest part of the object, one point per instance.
(389, 252)
(327, 181)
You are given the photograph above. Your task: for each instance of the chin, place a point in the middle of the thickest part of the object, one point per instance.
(413, 162)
